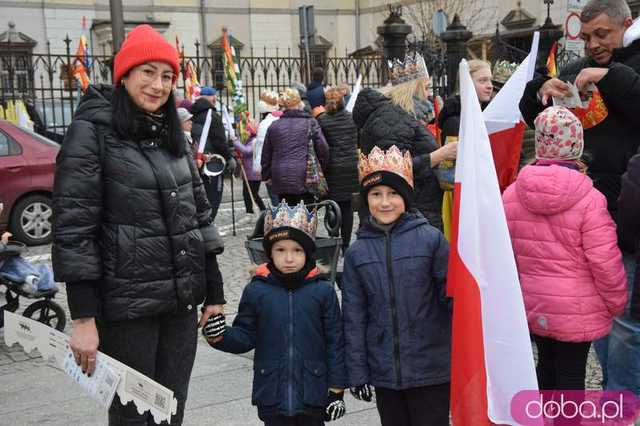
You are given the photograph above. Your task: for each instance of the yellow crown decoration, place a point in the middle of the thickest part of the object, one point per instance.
(412, 68)
(295, 217)
(390, 161)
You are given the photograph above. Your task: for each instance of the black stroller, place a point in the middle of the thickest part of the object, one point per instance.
(327, 248)
(43, 309)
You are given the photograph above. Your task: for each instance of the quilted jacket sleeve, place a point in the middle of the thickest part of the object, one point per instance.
(354, 308)
(77, 217)
(212, 239)
(332, 325)
(599, 242)
(241, 336)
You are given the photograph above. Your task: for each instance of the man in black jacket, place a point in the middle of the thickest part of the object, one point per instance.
(216, 143)
(614, 69)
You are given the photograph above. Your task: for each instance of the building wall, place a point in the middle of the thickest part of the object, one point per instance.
(258, 23)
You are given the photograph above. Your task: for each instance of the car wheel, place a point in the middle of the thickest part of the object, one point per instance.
(31, 220)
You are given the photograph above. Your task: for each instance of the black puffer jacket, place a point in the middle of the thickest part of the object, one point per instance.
(216, 140)
(629, 224)
(384, 124)
(129, 220)
(342, 136)
(609, 145)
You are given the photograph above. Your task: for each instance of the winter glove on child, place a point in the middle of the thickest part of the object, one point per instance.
(362, 393)
(335, 407)
(214, 327)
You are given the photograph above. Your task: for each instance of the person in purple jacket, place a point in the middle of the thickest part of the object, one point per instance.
(252, 178)
(286, 148)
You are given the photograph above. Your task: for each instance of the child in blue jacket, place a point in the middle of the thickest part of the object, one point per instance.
(292, 318)
(396, 319)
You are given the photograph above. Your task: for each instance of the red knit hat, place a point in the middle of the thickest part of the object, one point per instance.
(144, 44)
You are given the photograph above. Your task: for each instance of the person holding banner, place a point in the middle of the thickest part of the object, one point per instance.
(133, 235)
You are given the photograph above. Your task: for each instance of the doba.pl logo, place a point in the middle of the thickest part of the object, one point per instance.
(568, 408)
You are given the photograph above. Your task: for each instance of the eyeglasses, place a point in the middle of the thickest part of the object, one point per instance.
(148, 75)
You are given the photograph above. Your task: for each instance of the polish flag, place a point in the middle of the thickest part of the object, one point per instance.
(491, 354)
(504, 122)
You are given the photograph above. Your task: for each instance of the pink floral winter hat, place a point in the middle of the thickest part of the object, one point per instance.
(559, 135)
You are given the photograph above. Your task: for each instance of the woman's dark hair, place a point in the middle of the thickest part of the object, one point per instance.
(123, 120)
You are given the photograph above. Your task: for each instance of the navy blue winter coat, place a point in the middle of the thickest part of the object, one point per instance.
(397, 322)
(297, 335)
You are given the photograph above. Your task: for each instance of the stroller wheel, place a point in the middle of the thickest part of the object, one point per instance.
(47, 312)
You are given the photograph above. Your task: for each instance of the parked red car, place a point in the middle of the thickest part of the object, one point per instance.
(27, 166)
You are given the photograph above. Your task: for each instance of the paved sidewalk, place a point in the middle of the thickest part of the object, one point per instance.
(32, 392)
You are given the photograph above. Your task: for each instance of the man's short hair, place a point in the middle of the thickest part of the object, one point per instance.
(317, 74)
(616, 10)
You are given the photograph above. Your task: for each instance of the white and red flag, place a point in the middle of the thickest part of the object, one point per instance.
(491, 354)
(504, 122)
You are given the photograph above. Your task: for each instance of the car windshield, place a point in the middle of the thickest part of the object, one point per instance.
(38, 137)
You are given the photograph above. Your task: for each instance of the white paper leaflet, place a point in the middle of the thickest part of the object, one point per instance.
(130, 385)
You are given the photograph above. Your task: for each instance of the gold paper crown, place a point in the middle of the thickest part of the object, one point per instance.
(412, 68)
(391, 161)
(295, 217)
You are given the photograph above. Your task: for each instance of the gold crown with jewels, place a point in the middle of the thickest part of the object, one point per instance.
(295, 217)
(412, 68)
(390, 161)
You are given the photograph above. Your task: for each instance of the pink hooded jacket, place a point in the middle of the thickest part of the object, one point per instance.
(564, 240)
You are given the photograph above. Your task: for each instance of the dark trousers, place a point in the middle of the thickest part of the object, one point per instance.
(421, 406)
(273, 198)
(347, 222)
(294, 199)
(254, 187)
(293, 421)
(561, 365)
(214, 186)
(162, 348)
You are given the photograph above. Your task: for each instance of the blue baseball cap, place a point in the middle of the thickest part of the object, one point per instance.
(208, 91)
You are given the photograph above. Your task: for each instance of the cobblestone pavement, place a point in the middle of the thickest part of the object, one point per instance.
(33, 392)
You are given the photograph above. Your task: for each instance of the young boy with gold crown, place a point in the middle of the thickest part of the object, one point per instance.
(396, 319)
(292, 318)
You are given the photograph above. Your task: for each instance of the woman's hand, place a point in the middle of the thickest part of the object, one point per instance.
(84, 343)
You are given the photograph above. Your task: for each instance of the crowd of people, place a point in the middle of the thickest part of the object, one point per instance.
(135, 241)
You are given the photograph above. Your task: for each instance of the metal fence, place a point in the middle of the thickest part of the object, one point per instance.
(46, 80)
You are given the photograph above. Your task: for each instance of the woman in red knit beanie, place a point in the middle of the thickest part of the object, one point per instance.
(133, 238)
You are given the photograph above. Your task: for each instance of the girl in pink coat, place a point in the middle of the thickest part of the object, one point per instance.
(564, 241)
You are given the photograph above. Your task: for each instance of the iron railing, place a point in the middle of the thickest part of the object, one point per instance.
(46, 82)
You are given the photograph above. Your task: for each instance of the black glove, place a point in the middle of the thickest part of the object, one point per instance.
(362, 393)
(215, 326)
(335, 407)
